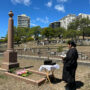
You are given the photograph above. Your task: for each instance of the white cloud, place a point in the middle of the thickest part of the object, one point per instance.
(62, 0)
(60, 8)
(32, 24)
(49, 4)
(45, 21)
(25, 2)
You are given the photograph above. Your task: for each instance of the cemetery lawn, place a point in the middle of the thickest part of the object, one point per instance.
(9, 83)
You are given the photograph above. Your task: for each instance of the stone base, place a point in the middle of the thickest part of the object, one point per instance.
(10, 60)
(8, 66)
(10, 56)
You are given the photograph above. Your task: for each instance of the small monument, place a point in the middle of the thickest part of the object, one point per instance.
(10, 56)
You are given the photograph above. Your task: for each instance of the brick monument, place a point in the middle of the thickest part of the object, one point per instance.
(10, 56)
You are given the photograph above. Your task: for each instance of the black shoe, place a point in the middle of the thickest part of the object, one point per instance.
(70, 86)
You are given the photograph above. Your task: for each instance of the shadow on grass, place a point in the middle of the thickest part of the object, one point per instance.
(27, 67)
(77, 85)
(55, 80)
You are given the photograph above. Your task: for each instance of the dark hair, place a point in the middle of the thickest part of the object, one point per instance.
(72, 43)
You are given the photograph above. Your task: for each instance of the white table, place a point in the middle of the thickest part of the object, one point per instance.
(48, 69)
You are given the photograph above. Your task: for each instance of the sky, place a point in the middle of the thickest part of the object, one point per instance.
(41, 12)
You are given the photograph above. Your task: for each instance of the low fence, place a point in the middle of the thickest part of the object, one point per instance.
(50, 52)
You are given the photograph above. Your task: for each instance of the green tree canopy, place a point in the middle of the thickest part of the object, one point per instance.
(80, 24)
(48, 32)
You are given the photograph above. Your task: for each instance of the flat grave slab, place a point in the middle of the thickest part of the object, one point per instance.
(39, 79)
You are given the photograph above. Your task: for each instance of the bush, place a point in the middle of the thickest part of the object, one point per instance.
(29, 39)
(13, 70)
(2, 40)
(60, 49)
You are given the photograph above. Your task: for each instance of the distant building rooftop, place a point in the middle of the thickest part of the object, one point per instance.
(23, 20)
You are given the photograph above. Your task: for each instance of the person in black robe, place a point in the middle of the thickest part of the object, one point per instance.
(70, 65)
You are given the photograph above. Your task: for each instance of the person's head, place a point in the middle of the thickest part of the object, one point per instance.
(71, 44)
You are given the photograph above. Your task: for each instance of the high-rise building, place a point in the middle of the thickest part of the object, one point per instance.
(51, 25)
(23, 21)
(67, 20)
(81, 15)
(55, 24)
(64, 22)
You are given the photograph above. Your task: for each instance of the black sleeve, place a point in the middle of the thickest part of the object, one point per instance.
(70, 57)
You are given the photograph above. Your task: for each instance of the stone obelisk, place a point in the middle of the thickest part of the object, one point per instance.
(10, 56)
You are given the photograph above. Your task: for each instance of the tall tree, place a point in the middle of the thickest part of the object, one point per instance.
(36, 31)
(59, 32)
(80, 24)
(84, 23)
(48, 32)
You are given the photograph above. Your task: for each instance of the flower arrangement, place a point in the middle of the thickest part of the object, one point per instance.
(23, 73)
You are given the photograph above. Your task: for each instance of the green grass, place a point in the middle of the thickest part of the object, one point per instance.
(1, 58)
(1, 61)
(3, 76)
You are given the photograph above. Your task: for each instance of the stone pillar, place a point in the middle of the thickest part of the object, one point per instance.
(10, 32)
(10, 56)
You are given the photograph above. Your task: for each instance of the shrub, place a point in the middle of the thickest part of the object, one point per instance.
(13, 70)
(2, 40)
(29, 39)
(60, 49)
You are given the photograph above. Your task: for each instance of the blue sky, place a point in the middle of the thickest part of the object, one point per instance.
(41, 12)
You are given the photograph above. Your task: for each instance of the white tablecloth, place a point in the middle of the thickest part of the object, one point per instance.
(49, 67)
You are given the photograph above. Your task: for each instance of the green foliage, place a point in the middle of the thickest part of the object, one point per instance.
(52, 33)
(81, 24)
(71, 34)
(60, 49)
(17, 39)
(67, 41)
(74, 25)
(36, 31)
(75, 29)
(26, 74)
(24, 34)
(3, 40)
(58, 32)
(12, 70)
(47, 32)
(29, 39)
(87, 31)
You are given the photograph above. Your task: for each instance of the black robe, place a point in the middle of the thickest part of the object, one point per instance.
(70, 65)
